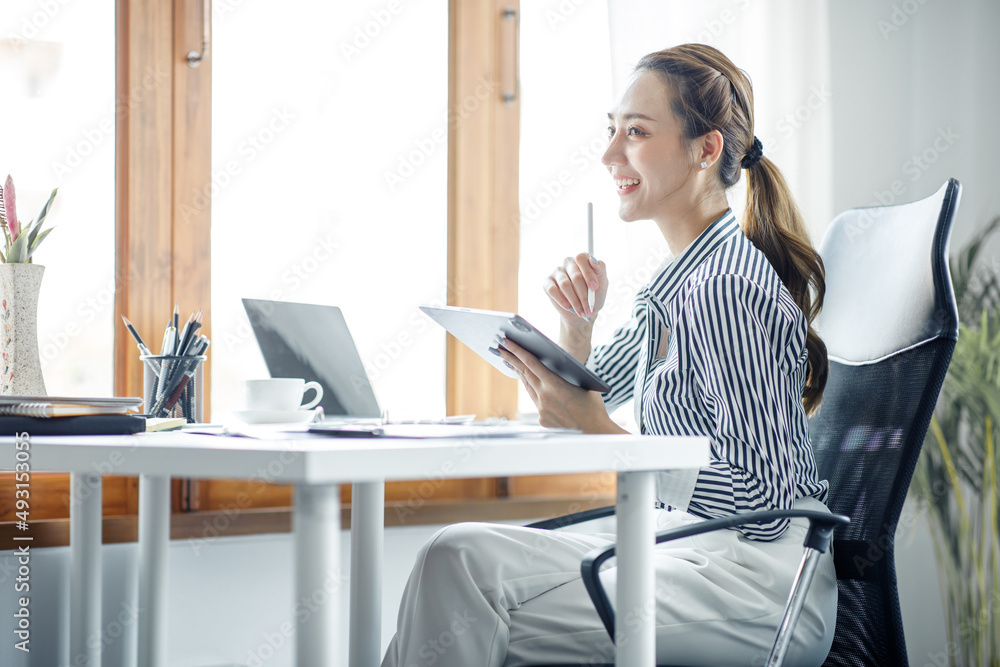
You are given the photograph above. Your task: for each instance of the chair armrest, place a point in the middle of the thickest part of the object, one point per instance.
(573, 519)
(821, 526)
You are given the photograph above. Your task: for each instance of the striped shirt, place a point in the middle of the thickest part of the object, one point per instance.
(734, 370)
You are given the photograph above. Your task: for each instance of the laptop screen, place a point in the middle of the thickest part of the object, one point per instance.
(312, 342)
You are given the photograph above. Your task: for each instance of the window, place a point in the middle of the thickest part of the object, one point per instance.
(331, 158)
(57, 64)
(333, 153)
(57, 61)
(564, 135)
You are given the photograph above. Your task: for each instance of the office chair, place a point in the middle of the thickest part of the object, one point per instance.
(890, 324)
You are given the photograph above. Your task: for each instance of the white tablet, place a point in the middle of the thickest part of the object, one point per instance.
(483, 329)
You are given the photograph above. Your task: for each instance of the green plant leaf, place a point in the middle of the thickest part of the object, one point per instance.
(41, 216)
(37, 241)
(18, 251)
(33, 230)
(963, 262)
(975, 286)
(956, 474)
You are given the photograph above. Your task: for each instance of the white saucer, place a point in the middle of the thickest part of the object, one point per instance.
(275, 416)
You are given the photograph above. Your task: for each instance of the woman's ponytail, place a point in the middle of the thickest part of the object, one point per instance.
(773, 223)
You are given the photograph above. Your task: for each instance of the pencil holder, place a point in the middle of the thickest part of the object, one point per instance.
(172, 386)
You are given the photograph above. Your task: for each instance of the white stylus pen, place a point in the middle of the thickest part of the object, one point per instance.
(590, 248)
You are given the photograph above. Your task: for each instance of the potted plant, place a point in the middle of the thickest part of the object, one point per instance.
(956, 475)
(20, 282)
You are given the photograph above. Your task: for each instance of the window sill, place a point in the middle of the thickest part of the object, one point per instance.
(227, 523)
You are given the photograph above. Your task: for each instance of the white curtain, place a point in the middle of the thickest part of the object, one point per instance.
(784, 46)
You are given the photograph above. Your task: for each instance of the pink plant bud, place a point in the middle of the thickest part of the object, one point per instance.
(9, 209)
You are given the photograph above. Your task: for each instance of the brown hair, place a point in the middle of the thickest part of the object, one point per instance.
(711, 93)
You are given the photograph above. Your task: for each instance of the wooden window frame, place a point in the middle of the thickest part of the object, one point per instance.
(163, 256)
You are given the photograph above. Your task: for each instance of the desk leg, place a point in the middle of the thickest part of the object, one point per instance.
(635, 614)
(85, 569)
(316, 524)
(367, 524)
(154, 569)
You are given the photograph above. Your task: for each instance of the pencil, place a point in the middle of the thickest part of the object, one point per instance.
(185, 337)
(143, 348)
(138, 339)
(590, 250)
(195, 328)
(176, 320)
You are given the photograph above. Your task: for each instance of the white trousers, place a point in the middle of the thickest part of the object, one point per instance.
(493, 595)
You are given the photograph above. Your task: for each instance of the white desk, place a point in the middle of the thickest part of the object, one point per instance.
(317, 466)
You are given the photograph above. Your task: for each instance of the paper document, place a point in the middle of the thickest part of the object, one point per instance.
(504, 430)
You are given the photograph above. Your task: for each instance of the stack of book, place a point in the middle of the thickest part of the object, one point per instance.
(63, 415)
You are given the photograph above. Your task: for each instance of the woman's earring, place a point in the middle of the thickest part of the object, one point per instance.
(704, 165)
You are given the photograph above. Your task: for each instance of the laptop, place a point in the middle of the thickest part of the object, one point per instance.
(309, 341)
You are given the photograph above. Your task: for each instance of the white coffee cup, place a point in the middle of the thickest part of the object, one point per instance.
(279, 394)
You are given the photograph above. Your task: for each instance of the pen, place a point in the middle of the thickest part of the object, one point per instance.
(167, 349)
(199, 346)
(167, 406)
(590, 250)
(169, 335)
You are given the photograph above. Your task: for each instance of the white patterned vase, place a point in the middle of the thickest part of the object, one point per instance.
(19, 361)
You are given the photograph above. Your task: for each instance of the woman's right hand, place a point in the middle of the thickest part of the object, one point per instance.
(567, 288)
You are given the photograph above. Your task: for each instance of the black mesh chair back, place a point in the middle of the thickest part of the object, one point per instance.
(890, 324)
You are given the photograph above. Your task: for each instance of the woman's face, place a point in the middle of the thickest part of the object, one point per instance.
(651, 164)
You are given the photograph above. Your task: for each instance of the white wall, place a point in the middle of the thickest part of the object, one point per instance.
(228, 600)
(915, 100)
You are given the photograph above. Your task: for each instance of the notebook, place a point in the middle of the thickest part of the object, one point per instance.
(309, 341)
(65, 406)
(80, 425)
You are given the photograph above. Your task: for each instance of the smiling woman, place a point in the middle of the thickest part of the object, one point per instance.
(651, 162)
(719, 346)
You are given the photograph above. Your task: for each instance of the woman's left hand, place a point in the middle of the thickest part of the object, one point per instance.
(560, 404)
